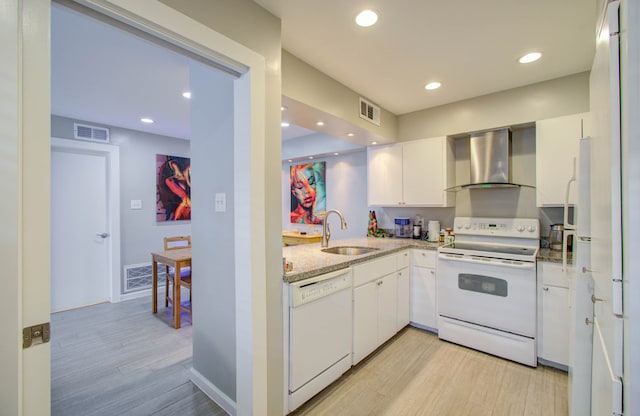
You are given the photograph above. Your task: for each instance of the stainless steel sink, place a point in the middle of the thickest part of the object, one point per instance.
(349, 250)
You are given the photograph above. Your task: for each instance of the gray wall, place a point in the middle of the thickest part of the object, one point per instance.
(212, 142)
(346, 180)
(250, 25)
(139, 231)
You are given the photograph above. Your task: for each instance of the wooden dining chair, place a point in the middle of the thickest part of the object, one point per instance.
(176, 243)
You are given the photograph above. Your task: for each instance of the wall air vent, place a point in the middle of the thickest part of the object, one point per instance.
(369, 112)
(93, 133)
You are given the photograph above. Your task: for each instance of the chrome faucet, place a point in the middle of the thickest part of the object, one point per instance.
(326, 232)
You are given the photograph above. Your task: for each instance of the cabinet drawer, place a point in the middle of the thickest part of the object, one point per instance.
(552, 274)
(374, 269)
(424, 258)
(403, 259)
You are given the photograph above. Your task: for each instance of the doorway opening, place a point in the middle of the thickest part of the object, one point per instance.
(229, 110)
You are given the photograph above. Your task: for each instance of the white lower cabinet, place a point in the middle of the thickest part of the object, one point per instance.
(365, 320)
(380, 286)
(555, 328)
(554, 313)
(424, 311)
(404, 299)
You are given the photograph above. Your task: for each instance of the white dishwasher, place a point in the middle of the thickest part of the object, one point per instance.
(320, 324)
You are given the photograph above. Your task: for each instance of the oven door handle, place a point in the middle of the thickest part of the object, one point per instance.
(524, 265)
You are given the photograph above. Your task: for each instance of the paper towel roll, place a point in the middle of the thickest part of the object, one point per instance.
(434, 231)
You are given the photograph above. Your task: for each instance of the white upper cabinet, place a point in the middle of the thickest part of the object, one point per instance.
(557, 145)
(384, 175)
(414, 173)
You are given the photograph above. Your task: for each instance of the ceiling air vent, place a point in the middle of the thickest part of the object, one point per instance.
(96, 134)
(369, 112)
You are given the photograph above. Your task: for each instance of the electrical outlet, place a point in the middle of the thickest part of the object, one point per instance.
(221, 202)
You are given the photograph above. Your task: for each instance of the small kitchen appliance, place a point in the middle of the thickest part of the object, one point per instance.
(556, 235)
(403, 227)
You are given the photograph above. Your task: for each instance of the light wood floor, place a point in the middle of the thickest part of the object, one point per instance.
(119, 359)
(417, 374)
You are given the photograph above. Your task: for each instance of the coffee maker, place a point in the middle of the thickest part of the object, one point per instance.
(556, 234)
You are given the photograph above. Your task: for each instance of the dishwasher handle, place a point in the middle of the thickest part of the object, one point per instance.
(317, 287)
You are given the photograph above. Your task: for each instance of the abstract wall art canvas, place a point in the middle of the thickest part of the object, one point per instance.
(308, 193)
(173, 188)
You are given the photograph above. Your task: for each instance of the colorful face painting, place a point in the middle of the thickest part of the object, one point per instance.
(308, 193)
(173, 188)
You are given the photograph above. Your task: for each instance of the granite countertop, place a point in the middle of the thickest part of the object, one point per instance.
(309, 261)
(553, 256)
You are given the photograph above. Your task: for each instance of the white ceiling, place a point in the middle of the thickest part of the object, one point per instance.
(105, 75)
(470, 46)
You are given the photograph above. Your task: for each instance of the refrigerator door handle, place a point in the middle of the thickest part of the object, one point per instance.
(567, 225)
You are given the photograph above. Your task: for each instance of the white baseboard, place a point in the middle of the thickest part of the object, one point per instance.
(136, 295)
(213, 392)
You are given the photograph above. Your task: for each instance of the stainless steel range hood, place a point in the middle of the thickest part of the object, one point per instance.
(490, 160)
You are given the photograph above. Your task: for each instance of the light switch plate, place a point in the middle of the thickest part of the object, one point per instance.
(136, 204)
(221, 202)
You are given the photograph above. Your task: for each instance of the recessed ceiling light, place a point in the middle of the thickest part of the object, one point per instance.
(146, 120)
(290, 160)
(310, 157)
(350, 134)
(283, 108)
(366, 18)
(530, 57)
(432, 85)
(285, 124)
(336, 153)
(320, 123)
(186, 94)
(374, 143)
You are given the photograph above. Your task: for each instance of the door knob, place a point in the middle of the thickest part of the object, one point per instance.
(103, 235)
(594, 299)
(588, 321)
(585, 270)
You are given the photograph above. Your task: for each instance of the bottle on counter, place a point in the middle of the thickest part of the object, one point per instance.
(442, 235)
(449, 237)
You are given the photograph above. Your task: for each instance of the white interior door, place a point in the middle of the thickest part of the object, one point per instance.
(79, 230)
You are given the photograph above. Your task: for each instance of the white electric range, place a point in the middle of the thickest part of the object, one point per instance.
(487, 286)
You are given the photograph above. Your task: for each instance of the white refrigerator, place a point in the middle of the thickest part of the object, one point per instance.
(606, 221)
(581, 287)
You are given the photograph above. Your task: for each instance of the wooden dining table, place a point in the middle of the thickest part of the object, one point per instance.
(178, 259)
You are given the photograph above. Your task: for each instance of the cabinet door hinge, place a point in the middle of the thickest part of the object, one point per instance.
(31, 333)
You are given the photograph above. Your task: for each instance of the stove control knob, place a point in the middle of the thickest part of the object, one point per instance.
(520, 228)
(531, 228)
(467, 226)
(459, 226)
